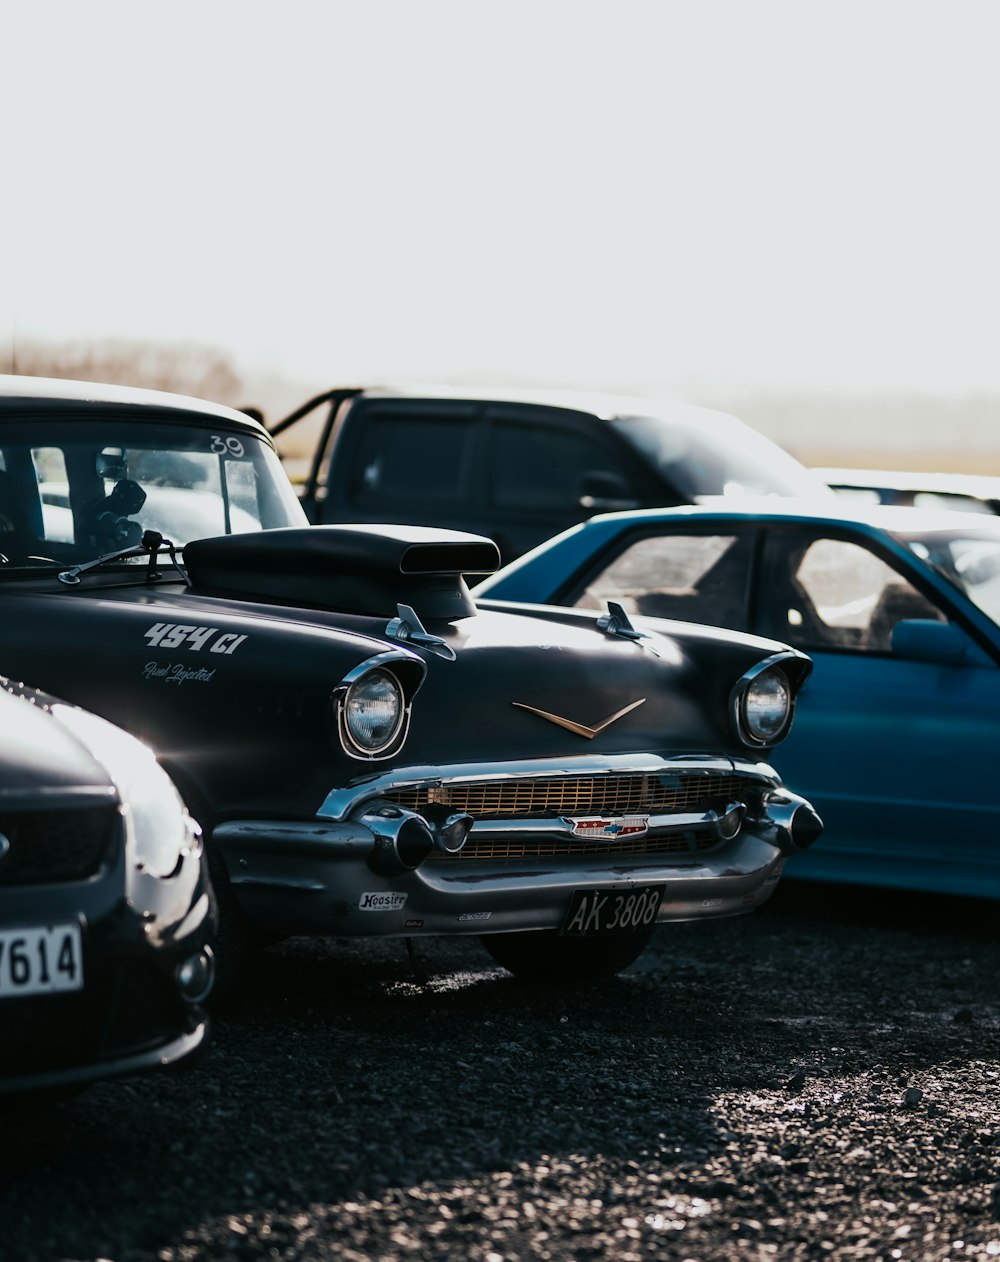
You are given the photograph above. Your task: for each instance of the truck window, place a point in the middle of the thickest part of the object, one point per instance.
(546, 467)
(412, 458)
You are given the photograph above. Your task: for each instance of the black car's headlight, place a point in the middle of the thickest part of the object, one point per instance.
(159, 829)
(372, 713)
(763, 705)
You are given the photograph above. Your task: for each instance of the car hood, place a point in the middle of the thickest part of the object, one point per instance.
(38, 756)
(499, 683)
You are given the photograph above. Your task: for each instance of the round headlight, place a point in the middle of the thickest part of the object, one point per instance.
(767, 706)
(373, 712)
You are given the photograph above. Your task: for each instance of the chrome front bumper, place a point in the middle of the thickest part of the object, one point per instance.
(368, 867)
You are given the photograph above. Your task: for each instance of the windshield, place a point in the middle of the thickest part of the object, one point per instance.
(970, 559)
(718, 455)
(74, 490)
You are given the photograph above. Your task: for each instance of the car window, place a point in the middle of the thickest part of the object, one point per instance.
(970, 561)
(536, 466)
(405, 458)
(696, 578)
(718, 455)
(833, 593)
(70, 491)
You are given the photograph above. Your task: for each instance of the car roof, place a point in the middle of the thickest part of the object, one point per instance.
(983, 486)
(18, 393)
(904, 522)
(600, 404)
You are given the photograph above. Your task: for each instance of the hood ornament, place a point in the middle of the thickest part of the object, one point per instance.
(406, 626)
(616, 622)
(581, 729)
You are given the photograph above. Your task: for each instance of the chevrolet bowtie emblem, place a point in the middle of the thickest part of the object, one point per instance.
(581, 729)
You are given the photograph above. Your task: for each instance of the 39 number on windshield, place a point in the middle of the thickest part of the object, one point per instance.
(612, 911)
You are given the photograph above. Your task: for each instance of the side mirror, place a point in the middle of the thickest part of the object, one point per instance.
(605, 492)
(924, 640)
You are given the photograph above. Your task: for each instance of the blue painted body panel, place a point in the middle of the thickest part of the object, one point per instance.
(901, 758)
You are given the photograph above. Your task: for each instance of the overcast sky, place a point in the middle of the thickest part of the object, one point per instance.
(629, 194)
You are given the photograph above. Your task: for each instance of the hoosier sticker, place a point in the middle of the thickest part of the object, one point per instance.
(373, 901)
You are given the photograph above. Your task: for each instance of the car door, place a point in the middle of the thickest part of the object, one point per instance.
(547, 468)
(897, 755)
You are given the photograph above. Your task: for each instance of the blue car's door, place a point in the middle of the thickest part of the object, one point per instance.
(899, 756)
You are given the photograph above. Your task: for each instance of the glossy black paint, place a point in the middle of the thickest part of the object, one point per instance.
(136, 928)
(231, 669)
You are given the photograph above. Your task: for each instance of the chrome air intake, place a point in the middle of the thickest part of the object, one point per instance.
(404, 839)
(792, 823)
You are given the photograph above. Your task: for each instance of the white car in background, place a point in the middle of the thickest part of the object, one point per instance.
(966, 492)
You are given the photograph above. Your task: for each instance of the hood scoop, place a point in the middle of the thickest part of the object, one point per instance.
(359, 569)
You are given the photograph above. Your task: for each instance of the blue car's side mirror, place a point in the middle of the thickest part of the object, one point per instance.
(924, 640)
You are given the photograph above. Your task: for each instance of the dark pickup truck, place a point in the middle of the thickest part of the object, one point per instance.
(520, 467)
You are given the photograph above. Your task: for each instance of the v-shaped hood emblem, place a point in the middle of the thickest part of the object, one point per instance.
(581, 729)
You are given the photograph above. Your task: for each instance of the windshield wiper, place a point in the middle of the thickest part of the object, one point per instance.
(151, 545)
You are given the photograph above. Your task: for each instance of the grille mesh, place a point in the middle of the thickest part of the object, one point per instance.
(614, 795)
(659, 794)
(55, 846)
(504, 849)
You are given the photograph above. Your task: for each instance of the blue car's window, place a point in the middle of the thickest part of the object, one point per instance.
(695, 578)
(832, 593)
(970, 561)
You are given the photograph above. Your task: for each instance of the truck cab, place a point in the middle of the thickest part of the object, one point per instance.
(519, 467)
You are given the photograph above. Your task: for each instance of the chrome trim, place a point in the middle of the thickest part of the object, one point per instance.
(617, 624)
(738, 693)
(339, 802)
(562, 826)
(385, 662)
(407, 626)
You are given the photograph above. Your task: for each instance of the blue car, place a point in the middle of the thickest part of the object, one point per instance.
(897, 733)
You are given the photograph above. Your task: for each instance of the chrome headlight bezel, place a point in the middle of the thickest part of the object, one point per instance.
(745, 697)
(376, 671)
(159, 831)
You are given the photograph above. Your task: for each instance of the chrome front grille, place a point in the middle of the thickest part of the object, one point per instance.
(607, 796)
(660, 793)
(509, 849)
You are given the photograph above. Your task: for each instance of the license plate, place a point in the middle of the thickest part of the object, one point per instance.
(612, 911)
(40, 961)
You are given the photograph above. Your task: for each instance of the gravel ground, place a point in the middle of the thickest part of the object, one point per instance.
(817, 1080)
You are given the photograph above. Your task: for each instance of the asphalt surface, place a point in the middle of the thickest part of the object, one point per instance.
(817, 1080)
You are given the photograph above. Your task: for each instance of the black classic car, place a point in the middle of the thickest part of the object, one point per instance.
(105, 905)
(367, 754)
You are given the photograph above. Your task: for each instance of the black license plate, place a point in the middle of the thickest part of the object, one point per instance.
(612, 911)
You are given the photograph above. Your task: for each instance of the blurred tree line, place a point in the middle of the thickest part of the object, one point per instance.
(182, 367)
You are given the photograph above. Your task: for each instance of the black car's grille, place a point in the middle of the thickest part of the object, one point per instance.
(522, 798)
(126, 1008)
(48, 847)
(674, 793)
(502, 849)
